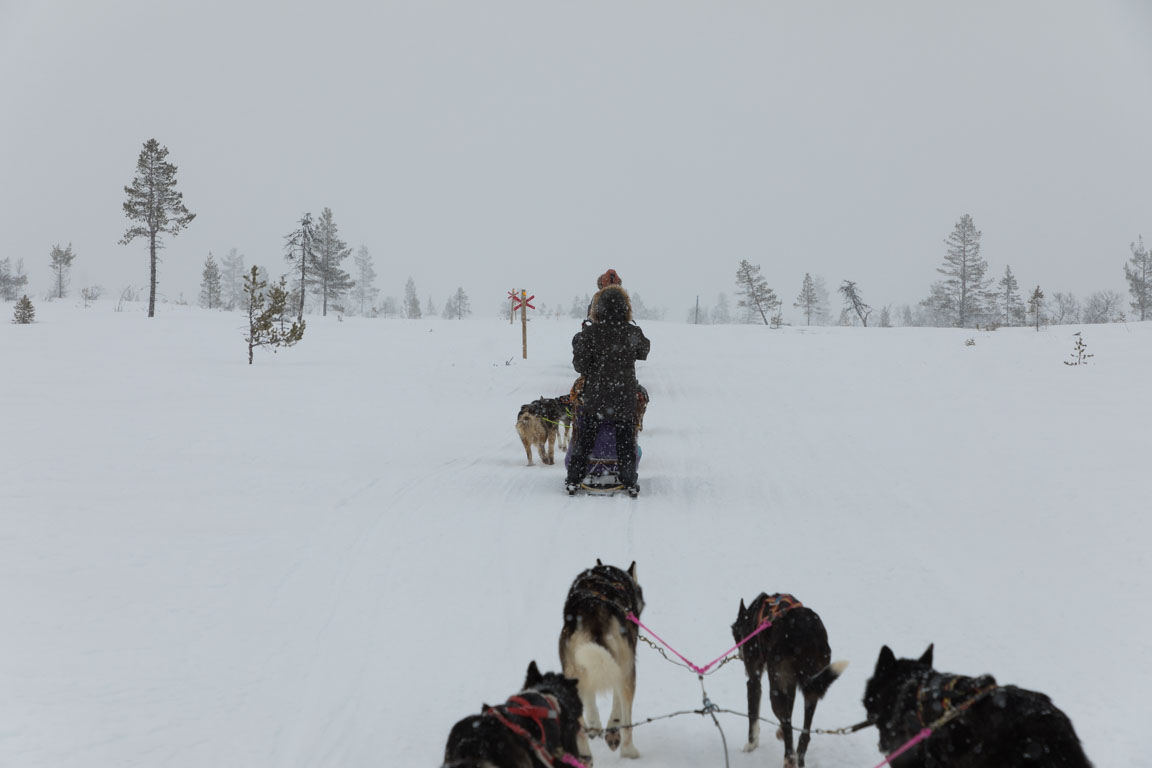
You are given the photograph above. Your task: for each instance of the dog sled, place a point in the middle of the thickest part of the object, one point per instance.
(601, 478)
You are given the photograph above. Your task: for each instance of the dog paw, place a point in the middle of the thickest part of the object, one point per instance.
(612, 738)
(593, 731)
(586, 760)
(629, 751)
(751, 746)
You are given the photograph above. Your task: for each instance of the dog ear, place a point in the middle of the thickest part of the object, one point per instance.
(743, 610)
(598, 562)
(927, 657)
(887, 659)
(534, 675)
(632, 572)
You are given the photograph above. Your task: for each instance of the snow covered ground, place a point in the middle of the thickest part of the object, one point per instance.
(327, 558)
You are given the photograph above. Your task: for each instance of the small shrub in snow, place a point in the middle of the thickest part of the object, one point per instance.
(268, 326)
(25, 312)
(91, 293)
(1080, 353)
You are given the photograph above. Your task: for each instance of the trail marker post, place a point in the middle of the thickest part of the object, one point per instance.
(523, 305)
(512, 307)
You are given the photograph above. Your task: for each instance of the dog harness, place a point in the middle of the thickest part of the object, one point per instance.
(934, 699)
(775, 606)
(606, 589)
(519, 706)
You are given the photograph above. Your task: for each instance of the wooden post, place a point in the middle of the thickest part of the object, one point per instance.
(511, 306)
(524, 320)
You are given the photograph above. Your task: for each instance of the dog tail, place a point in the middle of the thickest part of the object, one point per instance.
(819, 683)
(595, 667)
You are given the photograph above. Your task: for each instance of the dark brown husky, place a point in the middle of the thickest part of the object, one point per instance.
(794, 652)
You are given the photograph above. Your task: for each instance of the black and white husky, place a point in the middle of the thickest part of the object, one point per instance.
(531, 730)
(598, 647)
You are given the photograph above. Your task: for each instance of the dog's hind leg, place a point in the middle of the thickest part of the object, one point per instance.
(782, 691)
(754, 693)
(810, 702)
(528, 450)
(617, 736)
(592, 725)
(551, 441)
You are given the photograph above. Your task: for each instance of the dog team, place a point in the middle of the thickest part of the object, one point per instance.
(974, 722)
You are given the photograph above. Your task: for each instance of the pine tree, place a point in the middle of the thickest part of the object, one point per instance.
(854, 301)
(25, 313)
(412, 301)
(232, 279)
(11, 281)
(449, 308)
(1036, 306)
(1139, 277)
(823, 314)
(808, 301)
(965, 295)
(300, 252)
(363, 292)
(429, 307)
(268, 326)
(61, 264)
(721, 314)
(329, 280)
(461, 307)
(210, 290)
(1009, 298)
(156, 207)
(755, 295)
(885, 317)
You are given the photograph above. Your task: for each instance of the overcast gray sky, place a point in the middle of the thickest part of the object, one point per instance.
(498, 144)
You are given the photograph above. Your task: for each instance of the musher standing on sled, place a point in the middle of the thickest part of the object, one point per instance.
(605, 352)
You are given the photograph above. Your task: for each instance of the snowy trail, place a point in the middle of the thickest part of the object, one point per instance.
(330, 557)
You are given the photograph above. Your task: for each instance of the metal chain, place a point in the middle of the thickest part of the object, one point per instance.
(660, 650)
(820, 731)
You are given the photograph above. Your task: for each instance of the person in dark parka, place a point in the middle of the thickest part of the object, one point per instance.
(605, 354)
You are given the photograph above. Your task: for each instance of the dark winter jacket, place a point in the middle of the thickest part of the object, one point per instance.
(605, 353)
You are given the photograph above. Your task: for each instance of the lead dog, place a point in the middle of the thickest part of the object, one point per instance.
(598, 647)
(993, 726)
(794, 652)
(530, 730)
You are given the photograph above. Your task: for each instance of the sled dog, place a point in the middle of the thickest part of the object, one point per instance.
(530, 730)
(598, 647)
(794, 652)
(540, 422)
(534, 431)
(993, 725)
